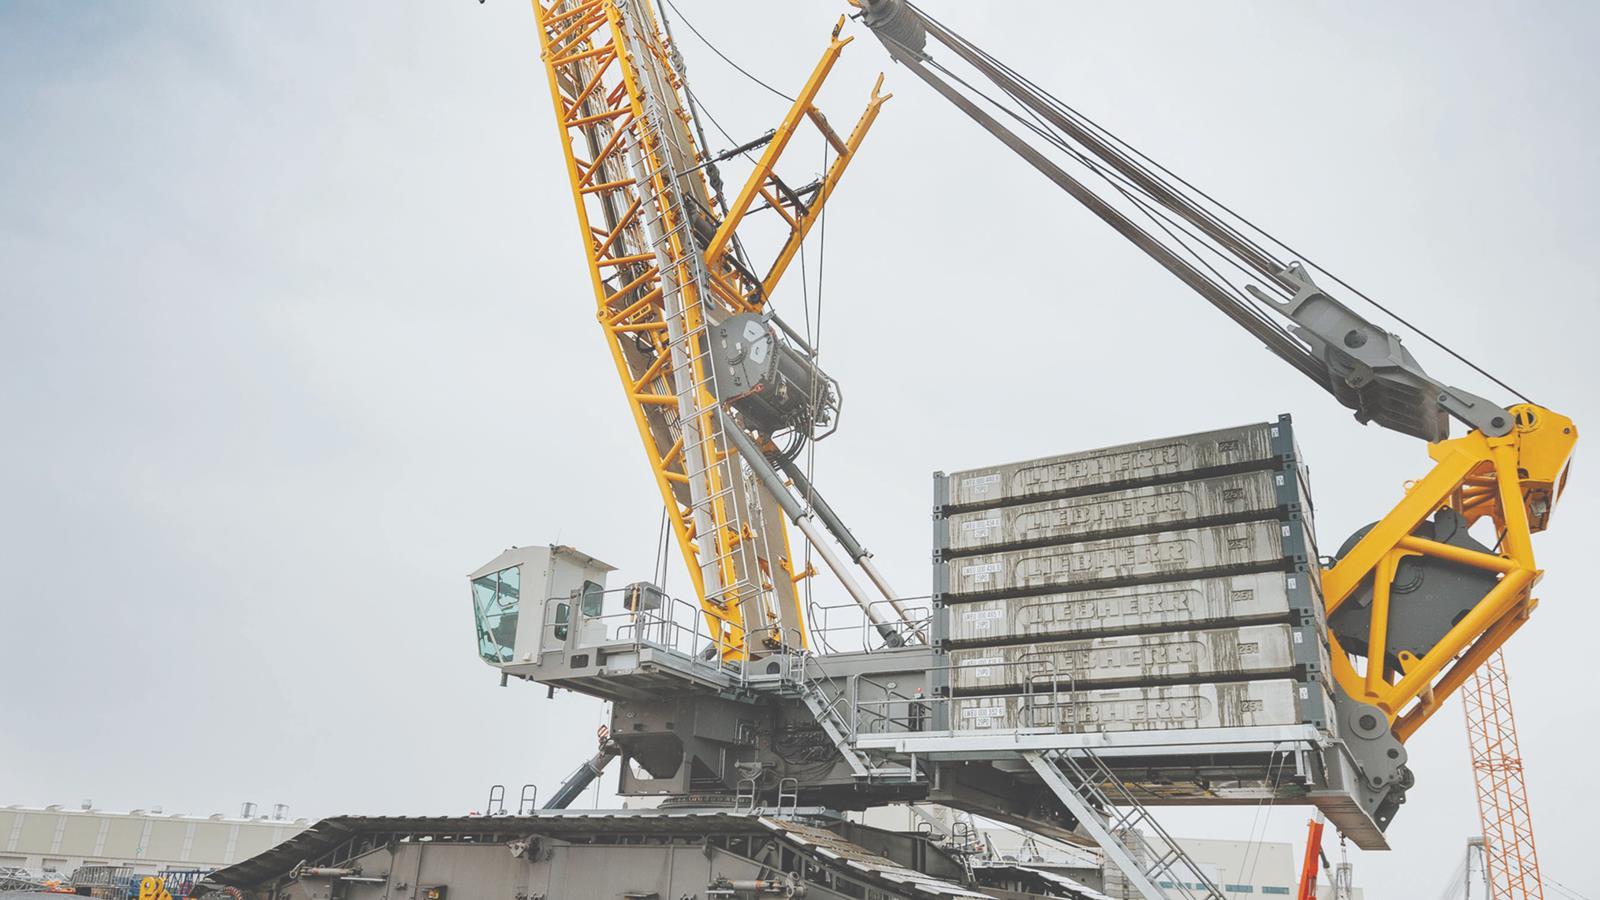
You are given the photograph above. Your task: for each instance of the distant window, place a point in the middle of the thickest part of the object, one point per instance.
(1275, 890)
(563, 615)
(1239, 888)
(495, 599)
(594, 597)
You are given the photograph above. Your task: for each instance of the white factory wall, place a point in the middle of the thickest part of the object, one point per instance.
(1253, 871)
(1245, 869)
(57, 840)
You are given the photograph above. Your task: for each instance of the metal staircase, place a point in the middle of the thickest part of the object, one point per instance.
(837, 726)
(1094, 794)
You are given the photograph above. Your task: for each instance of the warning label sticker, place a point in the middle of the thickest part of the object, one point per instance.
(982, 572)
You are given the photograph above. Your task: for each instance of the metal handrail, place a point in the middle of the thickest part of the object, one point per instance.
(861, 627)
(659, 629)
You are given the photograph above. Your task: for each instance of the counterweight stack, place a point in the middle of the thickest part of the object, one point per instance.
(1165, 585)
(1170, 586)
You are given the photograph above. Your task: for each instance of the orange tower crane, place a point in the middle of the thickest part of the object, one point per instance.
(1308, 865)
(1509, 853)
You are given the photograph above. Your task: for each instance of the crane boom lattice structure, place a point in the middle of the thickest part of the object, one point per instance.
(668, 271)
(1510, 857)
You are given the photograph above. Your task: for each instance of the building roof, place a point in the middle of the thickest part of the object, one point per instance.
(156, 813)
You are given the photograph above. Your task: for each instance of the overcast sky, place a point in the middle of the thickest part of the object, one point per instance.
(295, 331)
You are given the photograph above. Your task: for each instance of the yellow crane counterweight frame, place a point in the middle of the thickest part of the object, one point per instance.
(1514, 481)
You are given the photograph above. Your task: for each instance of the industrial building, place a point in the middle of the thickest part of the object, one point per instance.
(58, 840)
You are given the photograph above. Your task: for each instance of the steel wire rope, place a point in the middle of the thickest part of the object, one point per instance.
(1243, 301)
(1458, 880)
(694, 105)
(1111, 144)
(822, 225)
(1334, 276)
(1217, 237)
(819, 633)
(1248, 304)
(1457, 889)
(1265, 803)
(697, 104)
(1562, 888)
(1162, 221)
(725, 58)
(1115, 178)
(660, 570)
(814, 338)
(1230, 211)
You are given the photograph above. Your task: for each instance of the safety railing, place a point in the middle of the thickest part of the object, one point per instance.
(603, 619)
(843, 628)
(888, 710)
(102, 876)
(677, 626)
(182, 882)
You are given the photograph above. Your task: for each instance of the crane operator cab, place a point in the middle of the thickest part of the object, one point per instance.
(530, 601)
(544, 614)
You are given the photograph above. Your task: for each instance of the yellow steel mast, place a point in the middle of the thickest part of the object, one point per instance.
(665, 270)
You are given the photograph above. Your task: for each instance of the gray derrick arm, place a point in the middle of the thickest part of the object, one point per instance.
(1370, 372)
(1199, 240)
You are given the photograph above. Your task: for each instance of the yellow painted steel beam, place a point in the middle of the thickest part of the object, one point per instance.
(565, 45)
(1482, 650)
(1512, 480)
(781, 136)
(1421, 500)
(627, 145)
(829, 181)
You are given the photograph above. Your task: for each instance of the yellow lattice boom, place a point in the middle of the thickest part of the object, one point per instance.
(667, 265)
